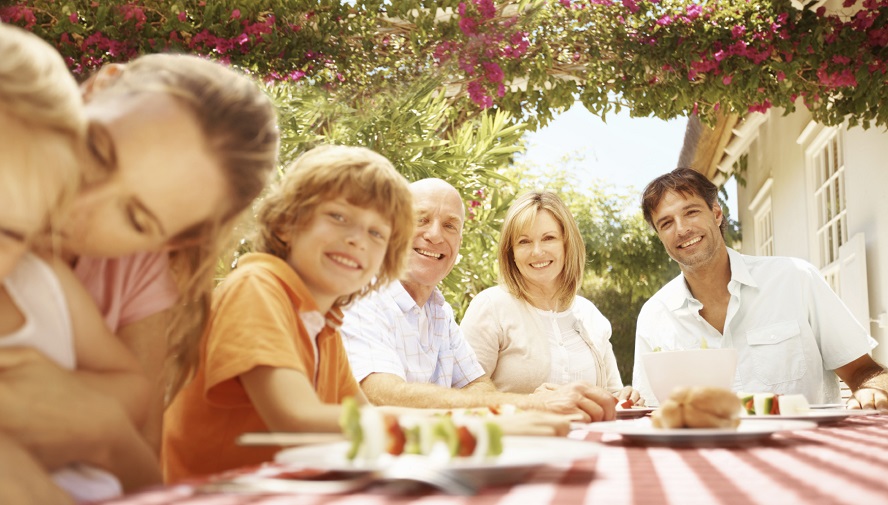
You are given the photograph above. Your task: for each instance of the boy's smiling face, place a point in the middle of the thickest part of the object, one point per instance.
(339, 251)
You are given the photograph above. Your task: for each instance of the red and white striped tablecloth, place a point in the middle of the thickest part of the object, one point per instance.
(842, 463)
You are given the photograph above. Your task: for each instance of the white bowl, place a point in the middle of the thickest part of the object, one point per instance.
(667, 370)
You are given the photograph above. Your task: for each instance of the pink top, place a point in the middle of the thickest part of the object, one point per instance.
(128, 288)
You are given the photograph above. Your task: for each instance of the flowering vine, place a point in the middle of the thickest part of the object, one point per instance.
(664, 58)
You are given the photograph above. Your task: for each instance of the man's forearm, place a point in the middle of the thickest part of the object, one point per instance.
(863, 372)
(433, 396)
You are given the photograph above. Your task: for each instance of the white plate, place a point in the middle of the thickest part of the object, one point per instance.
(517, 452)
(634, 412)
(642, 431)
(818, 416)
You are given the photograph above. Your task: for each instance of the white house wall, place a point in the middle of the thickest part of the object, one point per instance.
(866, 183)
(776, 154)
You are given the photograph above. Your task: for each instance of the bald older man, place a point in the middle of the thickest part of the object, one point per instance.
(405, 347)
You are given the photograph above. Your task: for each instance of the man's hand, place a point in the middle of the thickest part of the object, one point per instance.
(872, 393)
(869, 382)
(586, 402)
(49, 411)
(628, 393)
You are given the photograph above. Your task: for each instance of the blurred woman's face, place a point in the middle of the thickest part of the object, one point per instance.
(149, 177)
(539, 251)
(27, 204)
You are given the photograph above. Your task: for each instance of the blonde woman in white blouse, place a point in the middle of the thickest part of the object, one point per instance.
(533, 330)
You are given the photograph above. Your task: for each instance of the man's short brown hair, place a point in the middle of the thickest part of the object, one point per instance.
(685, 181)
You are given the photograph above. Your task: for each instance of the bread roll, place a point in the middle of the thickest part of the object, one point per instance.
(698, 407)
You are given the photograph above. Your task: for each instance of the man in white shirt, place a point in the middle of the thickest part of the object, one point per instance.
(405, 347)
(790, 329)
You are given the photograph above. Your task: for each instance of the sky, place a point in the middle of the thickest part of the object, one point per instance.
(625, 152)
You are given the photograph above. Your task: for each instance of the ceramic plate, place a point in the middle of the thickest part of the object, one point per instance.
(634, 412)
(517, 452)
(822, 416)
(640, 430)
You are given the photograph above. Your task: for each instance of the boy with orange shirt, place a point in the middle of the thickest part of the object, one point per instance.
(272, 358)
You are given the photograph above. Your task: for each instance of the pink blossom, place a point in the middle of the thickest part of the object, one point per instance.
(183, 16)
(839, 79)
(492, 71)
(878, 38)
(863, 20)
(133, 12)
(565, 3)
(760, 107)
(780, 76)
(443, 51)
(73, 17)
(696, 109)
(719, 55)
(632, 5)
(235, 14)
(223, 45)
(486, 8)
(295, 75)
(694, 11)
(518, 44)
(468, 62)
(848, 3)
(478, 95)
(727, 79)
(841, 60)
(242, 39)
(665, 20)
(468, 26)
(15, 14)
(738, 31)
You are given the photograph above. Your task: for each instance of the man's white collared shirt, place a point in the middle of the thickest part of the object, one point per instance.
(789, 328)
(387, 332)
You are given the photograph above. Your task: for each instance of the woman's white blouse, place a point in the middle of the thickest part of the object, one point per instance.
(514, 343)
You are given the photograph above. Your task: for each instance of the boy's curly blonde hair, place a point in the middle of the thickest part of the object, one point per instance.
(364, 178)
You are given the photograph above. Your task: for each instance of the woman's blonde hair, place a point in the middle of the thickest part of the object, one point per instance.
(37, 93)
(521, 217)
(360, 176)
(239, 126)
